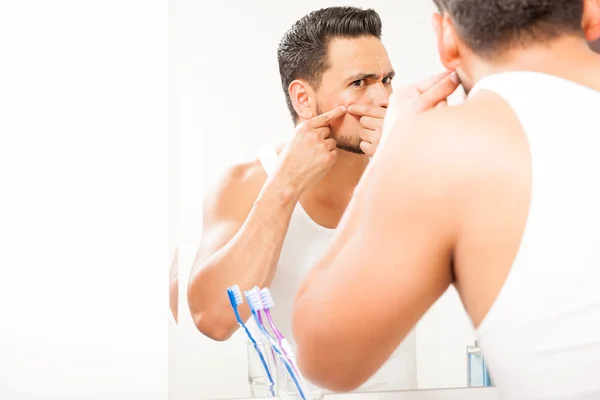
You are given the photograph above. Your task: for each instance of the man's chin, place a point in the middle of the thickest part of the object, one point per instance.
(350, 149)
(349, 145)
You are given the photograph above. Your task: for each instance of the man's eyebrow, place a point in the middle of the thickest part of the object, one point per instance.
(361, 76)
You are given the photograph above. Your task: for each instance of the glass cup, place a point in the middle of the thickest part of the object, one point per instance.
(287, 389)
(257, 377)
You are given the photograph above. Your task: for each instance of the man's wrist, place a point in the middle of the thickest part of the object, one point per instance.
(280, 193)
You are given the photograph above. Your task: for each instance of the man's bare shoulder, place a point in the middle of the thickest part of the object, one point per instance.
(466, 138)
(450, 152)
(243, 175)
(235, 190)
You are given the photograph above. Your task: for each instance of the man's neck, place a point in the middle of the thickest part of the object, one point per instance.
(347, 169)
(557, 57)
(343, 176)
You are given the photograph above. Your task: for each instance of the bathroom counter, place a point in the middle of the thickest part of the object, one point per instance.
(425, 394)
(433, 394)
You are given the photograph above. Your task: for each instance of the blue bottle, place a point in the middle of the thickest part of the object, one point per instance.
(477, 371)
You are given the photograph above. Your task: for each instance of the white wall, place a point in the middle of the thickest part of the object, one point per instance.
(442, 336)
(83, 204)
(229, 104)
(173, 203)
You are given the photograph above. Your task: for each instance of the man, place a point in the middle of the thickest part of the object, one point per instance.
(505, 183)
(267, 221)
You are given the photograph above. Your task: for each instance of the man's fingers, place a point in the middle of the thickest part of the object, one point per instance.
(367, 135)
(441, 104)
(331, 144)
(325, 118)
(367, 148)
(371, 123)
(323, 131)
(438, 93)
(430, 82)
(367, 110)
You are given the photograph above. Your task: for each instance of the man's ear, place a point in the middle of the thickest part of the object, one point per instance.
(302, 96)
(447, 42)
(591, 20)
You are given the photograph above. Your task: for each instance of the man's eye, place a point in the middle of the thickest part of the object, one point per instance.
(387, 80)
(358, 83)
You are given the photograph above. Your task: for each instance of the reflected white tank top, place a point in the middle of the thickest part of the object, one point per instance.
(305, 243)
(541, 338)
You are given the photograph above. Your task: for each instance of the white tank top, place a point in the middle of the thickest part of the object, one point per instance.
(305, 243)
(541, 337)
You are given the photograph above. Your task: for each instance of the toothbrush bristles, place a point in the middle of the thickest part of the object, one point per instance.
(267, 299)
(253, 298)
(237, 293)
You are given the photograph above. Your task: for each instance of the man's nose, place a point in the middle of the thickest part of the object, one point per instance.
(380, 95)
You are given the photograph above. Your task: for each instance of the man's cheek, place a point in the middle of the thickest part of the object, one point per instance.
(337, 125)
(348, 125)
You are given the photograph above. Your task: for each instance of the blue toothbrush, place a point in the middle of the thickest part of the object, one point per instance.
(236, 299)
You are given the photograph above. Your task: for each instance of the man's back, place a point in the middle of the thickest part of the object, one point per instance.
(501, 186)
(526, 262)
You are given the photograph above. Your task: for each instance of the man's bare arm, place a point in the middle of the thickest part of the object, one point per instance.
(244, 226)
(384, 272)
(243, 231)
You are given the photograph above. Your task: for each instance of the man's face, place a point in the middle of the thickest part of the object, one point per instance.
(359, 72)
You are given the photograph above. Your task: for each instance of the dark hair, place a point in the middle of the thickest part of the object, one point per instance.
(491, 26)
(303, 50)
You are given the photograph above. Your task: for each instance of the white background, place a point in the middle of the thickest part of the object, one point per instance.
(229, 104)
(84, 246)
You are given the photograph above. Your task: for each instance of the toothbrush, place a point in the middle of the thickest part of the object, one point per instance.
(265, 340)
(260, 321)
(255, 303)
(235, 298)
(268, 303)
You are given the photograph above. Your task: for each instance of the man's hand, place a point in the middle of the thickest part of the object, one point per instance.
(309, 155)
(420, 97)
(371, 120)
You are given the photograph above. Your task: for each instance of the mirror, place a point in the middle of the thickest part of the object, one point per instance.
(229, 105)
